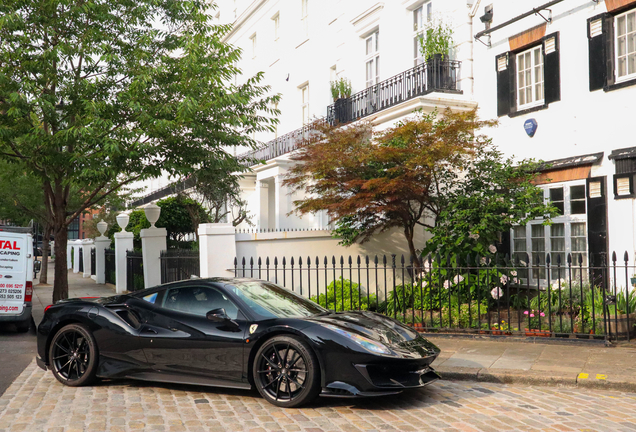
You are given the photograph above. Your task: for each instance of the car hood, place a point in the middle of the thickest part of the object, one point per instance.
(393, 334)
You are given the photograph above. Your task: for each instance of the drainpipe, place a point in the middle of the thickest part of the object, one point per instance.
(471, 77)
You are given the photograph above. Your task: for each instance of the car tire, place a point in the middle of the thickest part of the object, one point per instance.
(73, 355)
(286, 372)
(23, 326)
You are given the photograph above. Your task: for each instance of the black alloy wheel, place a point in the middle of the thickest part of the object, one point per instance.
(73, 355)
(286, 372)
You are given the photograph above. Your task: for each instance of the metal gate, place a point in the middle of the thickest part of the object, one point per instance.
(179, 264)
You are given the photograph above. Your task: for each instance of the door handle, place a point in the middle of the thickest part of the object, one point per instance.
(150, 330)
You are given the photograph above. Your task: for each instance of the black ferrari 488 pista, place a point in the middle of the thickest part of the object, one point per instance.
(234, 333)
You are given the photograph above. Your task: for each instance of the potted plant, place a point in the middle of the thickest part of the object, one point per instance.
(620, 322)
(436, 43)
(535, 323)
(341, 92)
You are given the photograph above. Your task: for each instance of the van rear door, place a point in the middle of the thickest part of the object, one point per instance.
(14, 258)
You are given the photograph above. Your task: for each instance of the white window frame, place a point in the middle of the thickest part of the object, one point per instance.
(304, 103)
(421, 15)
(533, 80)
(617, 58)
(253, 43)
(304, 16)
(276, 25)
(567, 218)
(372, 58)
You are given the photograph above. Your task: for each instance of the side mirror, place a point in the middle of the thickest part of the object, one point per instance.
(217, 315)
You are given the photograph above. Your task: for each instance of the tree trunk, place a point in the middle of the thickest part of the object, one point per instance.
(60, 284)
(409, 234)
(46, 247)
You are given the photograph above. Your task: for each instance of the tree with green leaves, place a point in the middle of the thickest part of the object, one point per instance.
(475, 205)
(95, 95)
(372, 181)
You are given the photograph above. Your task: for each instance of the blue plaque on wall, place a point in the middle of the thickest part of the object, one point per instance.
(531, 127)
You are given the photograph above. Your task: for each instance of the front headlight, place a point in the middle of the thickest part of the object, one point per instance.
(366, 343)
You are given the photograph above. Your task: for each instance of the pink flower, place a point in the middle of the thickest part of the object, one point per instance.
(532, 315)
(542, 314)
(525, 312)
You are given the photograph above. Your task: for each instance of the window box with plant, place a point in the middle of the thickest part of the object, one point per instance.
(436, 43)
(341, 94)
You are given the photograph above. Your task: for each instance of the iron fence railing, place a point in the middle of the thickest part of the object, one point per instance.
(570, 299)
(81, 260)
(93, 261)
(109, 266)
(179, 264)
(435, 75)
(134, 271)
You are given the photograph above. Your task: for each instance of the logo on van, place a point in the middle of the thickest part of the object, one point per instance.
(8, 276)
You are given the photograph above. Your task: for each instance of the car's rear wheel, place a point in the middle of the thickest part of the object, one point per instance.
(286, 372)
(73, 355)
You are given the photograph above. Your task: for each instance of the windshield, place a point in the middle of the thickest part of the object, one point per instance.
(271, 301)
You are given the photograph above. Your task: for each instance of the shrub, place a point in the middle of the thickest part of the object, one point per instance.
(342, 294)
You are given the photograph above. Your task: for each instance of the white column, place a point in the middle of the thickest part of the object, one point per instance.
(217, 249)
(280, 206)
(76, 255)
(123, 243)
(153, 241)
(87, 246)
(258, 205)
(101, 244)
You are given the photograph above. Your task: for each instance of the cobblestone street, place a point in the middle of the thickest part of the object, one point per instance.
(36, 402)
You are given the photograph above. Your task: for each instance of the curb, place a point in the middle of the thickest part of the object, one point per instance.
(624, 384)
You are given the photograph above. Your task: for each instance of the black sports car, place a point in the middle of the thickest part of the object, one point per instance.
(233, 333)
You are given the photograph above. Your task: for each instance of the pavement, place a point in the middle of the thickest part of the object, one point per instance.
(489, 383)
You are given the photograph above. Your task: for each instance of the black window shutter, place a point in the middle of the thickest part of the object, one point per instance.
(551, 70)
(596, 53)
(608, 43)
(512, 78)
(597, 232)
(503, 84)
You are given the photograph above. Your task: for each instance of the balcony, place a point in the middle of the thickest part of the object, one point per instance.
(436, 75)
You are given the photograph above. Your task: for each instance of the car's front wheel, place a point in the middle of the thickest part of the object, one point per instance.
(286, 372)
(73, 355)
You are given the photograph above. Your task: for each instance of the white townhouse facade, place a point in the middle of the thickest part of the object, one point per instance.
(303, 45)
(561, 78)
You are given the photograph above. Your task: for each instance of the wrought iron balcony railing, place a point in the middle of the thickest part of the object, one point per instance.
(434, 76)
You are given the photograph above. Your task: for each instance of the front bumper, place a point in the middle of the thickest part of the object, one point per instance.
(41, 363)
(382, 384)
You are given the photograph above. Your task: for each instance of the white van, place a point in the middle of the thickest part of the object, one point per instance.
(16, 276)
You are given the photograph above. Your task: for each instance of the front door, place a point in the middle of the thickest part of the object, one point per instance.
(177, 338)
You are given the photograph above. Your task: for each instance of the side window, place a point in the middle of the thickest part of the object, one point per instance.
(529, 77)
(612, 48)
(198, 301)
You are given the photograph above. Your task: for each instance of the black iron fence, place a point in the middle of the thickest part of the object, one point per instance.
(93, 261)
(81, 260)
(109, 266)
(134, 271)
(179, 264)
(434, 75)
(570, 299)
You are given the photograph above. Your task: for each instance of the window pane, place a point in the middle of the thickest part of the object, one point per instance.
(557, 230)
(519, 232)
(522, 97)
(520, 245)
(577, 192)
(631, 63)
(577, 207)
(521, 63)
(622, 67)
(578, 230)
(537, 56)
(630, 22)
(556, 194)
(377, 41)
(529, 94)
(578, 244)
(621, 46)
(538, 92)
(369, 45)
(522, 81)
(538, 230)
(620, 26)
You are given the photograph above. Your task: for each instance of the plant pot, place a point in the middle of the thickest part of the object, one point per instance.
(543, 333)
(620, 325)
(633, 281)
(530, 332)
(496, 332)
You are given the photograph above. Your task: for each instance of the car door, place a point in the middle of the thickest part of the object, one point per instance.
(177, 337)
